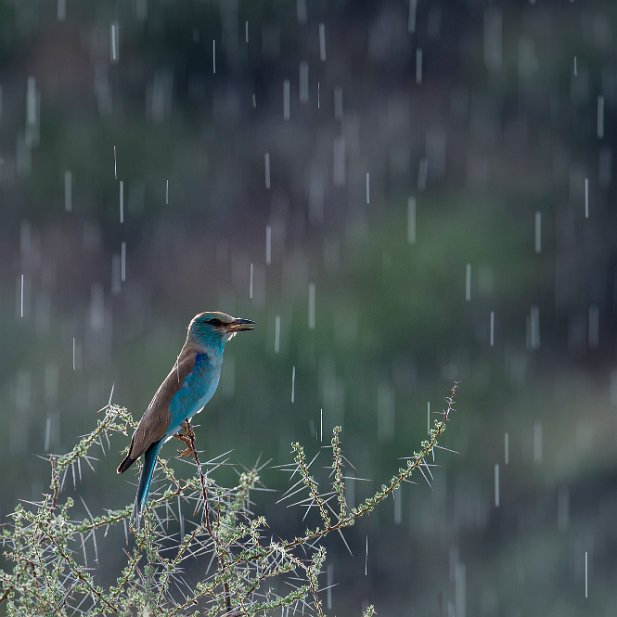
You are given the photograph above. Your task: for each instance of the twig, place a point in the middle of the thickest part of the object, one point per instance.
(204, 494)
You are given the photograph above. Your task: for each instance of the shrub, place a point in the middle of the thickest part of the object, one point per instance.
(251, 572)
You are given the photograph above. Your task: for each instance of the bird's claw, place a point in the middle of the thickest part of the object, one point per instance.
(188, 442)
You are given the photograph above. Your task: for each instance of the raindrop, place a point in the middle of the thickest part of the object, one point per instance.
(398, 507)
(467, 282)
(368, 188)
(123, 261)
(166, 192)
(268, 244)
(329, 584)
(47, 434)
(496, 485)
(586, 574)
(115, 164)
(317, 95)
(411, 20)
(586, 198)
(267, 169)
(575, 66)
(506, 449)
(181, 518)
(61, 10)
(411, 220)
(141, 9)
(600, 117)
(366, 557)
(493, 39)
(338, 103)
(538, 232)
(246, 31)
(115, 274)
(68, 191)
(32, 133)
(254, 101)
(428, 416)
(23, 390)
(534, 328)
(613, 387)
(277, 333)
(121, 189)
(321, 425)
(251, 282)
(492, 329)
(286, 99)
(31, 102)
(460, 586)
(302, 16)
(213, 57)
(51, 379)
(21, 297)
(293, 384)
(97, 307)
(102, 90)
(419, 66)
(304, 82)
(385, 412)
(311, 306)
(527, 57)
(422, 174)
(322, 42)
(159, 97)
(114, 42)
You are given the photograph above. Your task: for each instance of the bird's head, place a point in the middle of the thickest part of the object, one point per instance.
(212, 329)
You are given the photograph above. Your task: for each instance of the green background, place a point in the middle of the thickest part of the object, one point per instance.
(510, 120)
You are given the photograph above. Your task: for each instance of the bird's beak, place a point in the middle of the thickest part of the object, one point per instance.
(239, 324)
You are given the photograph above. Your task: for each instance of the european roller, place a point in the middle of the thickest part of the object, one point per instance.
(189, 386)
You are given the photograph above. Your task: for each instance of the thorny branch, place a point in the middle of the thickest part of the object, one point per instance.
(204, 495)
(47, 544)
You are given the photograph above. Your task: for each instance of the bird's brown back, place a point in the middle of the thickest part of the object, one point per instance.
(155, 421)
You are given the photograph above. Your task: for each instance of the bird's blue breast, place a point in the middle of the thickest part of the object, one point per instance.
(197, 389)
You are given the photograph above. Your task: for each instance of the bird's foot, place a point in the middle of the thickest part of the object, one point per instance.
(187, 436)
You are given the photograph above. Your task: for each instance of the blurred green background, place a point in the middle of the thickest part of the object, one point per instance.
(401, 194)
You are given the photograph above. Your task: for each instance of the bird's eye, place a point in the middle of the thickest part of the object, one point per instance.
(215, 321)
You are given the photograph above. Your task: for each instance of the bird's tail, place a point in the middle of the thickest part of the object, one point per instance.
(145, 479)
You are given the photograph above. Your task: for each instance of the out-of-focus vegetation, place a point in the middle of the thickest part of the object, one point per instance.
(486, 130)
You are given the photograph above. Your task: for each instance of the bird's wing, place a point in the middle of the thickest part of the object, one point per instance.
(155, 422)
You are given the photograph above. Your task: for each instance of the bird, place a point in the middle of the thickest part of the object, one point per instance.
(187, 389)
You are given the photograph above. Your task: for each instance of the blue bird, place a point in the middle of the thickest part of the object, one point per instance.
(189, 386)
